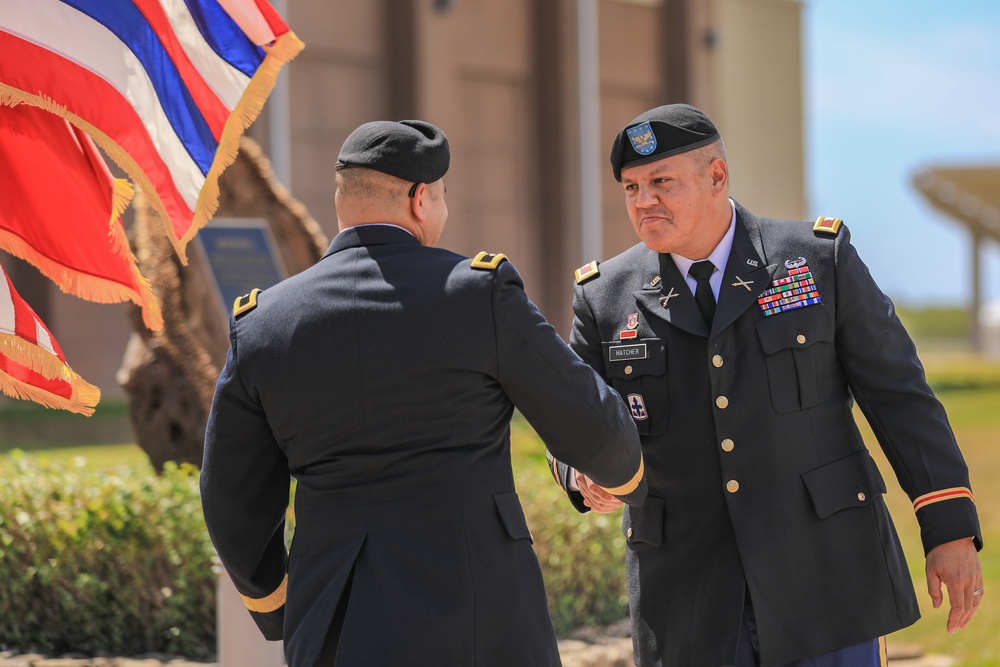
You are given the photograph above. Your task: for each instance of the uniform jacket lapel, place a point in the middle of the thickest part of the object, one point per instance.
(670, 298)
(746, 276)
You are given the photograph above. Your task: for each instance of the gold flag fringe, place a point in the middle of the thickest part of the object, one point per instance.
(33, 356)
(83, 399)
(284, 49)
(86, 286)
(13, 96)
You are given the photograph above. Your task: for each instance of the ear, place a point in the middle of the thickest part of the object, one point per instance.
(719, 173)
(417, 207)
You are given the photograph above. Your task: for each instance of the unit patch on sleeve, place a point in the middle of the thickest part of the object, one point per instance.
(637, 406)
(797, 290)
(485, 261)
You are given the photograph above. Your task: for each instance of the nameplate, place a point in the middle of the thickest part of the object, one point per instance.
(627, 352)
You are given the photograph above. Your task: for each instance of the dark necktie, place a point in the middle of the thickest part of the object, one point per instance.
(702, 271)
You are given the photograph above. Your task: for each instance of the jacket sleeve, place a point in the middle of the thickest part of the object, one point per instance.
(244, 492)
(581, 419)
(888, 382)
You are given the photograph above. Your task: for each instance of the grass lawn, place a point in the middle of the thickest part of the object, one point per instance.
(970, 391)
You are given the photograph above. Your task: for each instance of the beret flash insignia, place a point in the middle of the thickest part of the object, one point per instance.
(246, 303)
(586, 272)
(828, 226)
(485, 261)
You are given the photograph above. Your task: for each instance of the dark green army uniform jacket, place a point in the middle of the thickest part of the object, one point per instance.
(759, 481)
(383, 379)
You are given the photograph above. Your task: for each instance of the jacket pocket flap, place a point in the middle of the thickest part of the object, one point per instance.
(798, 328)
(512, 515)
(852, 481)
(626, 360)
(646, 523)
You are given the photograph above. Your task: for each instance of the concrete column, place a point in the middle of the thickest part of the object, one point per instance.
(588, 60)
(239, 642)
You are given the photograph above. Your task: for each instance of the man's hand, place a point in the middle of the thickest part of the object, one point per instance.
(956, 565)
(594, 496)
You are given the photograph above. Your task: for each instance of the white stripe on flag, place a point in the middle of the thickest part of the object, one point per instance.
(44, 341)
(6, 306)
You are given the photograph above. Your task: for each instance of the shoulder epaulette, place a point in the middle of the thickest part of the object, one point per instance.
(488, 262)
(246, 303)
(829, 226)
(586, 272)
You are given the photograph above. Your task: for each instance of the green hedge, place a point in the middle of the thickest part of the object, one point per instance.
(104, 562)
(582, 555)
(119, 562)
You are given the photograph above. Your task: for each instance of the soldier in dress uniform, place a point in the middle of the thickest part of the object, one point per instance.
(740, 344)
(383, 380)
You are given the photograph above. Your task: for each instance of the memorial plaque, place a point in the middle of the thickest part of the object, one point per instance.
(242, 255)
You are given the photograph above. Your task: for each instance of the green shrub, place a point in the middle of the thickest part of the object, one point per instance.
(582, 555)
(104, 562)
(119, 562)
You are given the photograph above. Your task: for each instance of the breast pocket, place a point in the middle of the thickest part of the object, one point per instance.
(800, 356)
(637, 371)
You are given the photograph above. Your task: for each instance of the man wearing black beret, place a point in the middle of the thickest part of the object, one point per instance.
(383, 380)
(740, 344)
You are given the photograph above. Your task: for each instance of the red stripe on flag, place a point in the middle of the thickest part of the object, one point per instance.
(278, 25)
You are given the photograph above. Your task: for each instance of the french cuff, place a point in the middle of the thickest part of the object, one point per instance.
(633, 492)
(272, 602)
(942, 522)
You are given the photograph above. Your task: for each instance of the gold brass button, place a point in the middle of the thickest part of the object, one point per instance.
(722, 402)
(861, 497)
(732, 486)
(628, 370)
(630, 532)
(728, 445)
(717, 361)
(800, 339)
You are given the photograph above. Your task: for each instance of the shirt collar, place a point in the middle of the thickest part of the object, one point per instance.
(719, 256)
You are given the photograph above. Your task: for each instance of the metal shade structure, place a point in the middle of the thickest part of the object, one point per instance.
(970, 196)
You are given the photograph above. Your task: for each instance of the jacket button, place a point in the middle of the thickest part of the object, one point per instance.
(629, 532)
(732, 486)
(861, 497)
(728, 445)
(800, 339)
(717, 361)
(628, 370)
(722, 402)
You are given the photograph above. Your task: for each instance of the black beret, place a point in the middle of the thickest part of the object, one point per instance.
(661, 132)
(412, 150)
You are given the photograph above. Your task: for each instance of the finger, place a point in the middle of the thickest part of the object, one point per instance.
(934, 589)
(960, 600)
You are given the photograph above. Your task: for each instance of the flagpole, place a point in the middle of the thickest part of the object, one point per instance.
(279, 116)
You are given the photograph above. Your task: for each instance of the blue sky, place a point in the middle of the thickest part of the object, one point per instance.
(893, 86)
